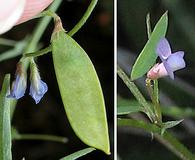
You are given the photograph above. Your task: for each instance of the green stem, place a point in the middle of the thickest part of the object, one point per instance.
(156, 105)
(7, 42)
(38, 53)
(156, 92)
(47, 13)
(84, 18)
(135, 91)
(43, 137)
(169, 140)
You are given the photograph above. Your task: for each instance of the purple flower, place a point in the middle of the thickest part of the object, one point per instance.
(37, 88)
(19, 85)
(171, 62)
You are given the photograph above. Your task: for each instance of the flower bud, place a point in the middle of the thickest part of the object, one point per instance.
(19, 85)
(37, 88)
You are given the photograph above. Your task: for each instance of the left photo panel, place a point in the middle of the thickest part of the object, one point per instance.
(57, 79)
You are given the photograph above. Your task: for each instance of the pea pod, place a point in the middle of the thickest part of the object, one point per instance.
(80, 90)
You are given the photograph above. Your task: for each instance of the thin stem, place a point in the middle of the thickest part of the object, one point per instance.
(43, 137)
(168, 140)
(7, 42)
(38, 53)
(84, 18)
(156, 105)
(156, 91)
(135, 91)
(47, 13)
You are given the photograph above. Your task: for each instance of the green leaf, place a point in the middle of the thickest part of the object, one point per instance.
(148, 56)
(127, 107)
(5, 124)
(169, 124)
(78, 154)
(80, 91)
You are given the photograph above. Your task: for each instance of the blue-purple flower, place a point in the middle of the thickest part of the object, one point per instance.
(37, 88)
(19, 85)
(171, 62)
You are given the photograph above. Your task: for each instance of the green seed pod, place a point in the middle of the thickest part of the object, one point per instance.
(80, 90)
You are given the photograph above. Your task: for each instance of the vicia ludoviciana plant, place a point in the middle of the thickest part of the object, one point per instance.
(156, 46)
(78, 82)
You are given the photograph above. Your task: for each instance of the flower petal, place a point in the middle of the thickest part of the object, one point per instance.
(18, 88)
(163, 49)
(38, 93)
(176, 61)
(32, 8)
(10, 13)
(157, 71)
(169, 70)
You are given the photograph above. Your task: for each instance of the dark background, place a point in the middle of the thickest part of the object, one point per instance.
(48, 117)
(132, 36)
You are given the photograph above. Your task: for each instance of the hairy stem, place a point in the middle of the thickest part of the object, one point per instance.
(135, 91)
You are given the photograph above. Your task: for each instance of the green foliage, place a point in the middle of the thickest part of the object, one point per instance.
(148, 56)
(138, 95)
(80, 91)
(78, 154)
(126, 107)
(169, 124)
(5, 123)
(169, 140)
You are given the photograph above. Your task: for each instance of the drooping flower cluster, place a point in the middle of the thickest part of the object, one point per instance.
(171, 62)
(14, 12)
(37, 88)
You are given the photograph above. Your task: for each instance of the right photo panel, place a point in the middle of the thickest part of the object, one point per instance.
(155, 80)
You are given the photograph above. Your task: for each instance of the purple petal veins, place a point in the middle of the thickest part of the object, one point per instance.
(38, 90)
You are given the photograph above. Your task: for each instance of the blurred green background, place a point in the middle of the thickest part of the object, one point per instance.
(180, 93)
(48, 117)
